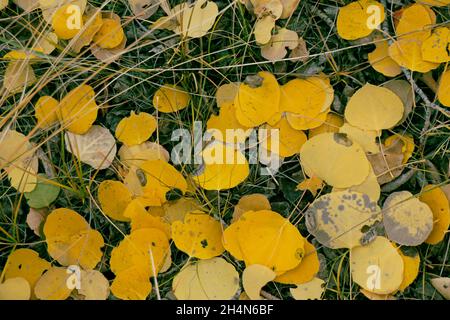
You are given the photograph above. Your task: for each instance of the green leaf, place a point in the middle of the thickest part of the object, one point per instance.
(43, 195)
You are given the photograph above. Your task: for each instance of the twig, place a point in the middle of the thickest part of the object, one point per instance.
(395, 184)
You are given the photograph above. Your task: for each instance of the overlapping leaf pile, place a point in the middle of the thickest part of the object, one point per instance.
(147, 222)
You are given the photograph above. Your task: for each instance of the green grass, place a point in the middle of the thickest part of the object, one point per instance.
(227, 53)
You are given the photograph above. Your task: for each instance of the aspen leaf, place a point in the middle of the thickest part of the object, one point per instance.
(367, 139)
(108, 55)
(224, 167)
(153, 180)
(374, 108)
(93, 285)
(388, 163)
(408, 145)
(311, 290)
(110, 34)
(250, 202)
(3, 4)
(15, 289)
(43, 195)
(335, 159)
(70, 239)
(435, 47)
(254, 278)
(142, 219)
(212, 279)
(49, 8)
(332, 124)
(359, 19)
(373, 296)
(45, 111)
(144, 249)
(305, 271)
(67, 21)
(136, 128)
(403, 90)
(132, 284)
(46, 43)
(143, 9)
(196, 20)
(414, 21)
(380, 60)
(53, 285)
(22, 178)
(288, 140)
(442, 285)
(26, 264)
(35, 218)
(435, 198)
(406, 219)
(263, 29)
(300, 52)
(226, 93)
(408, 54)
(170, 98)
(377, 267)
(411, 266)
(257, 100)
(444, 89)
(266, 238)
(18, 76)
(289, 7)
(370, 187)
(176, 210)
(16, 149)
(437, 3)
(337, 219)
(199, 235)
(78, 109)
(97, 147)
(275, 49)
(114, 198)
(225, 127)
(92, 22)
(136, 155)
(312, 184)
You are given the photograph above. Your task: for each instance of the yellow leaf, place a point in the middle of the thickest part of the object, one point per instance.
(18, 76)
(312, 184)
(110, 34)
(136, 129)
(414, 22)
(92, 22)
(131, 284)
(434, 48)
(436, 199)
(257, 100)
(335, 159)
(78, 109)
(408, 54)
(332, 124)
(359, 18)
(53, 285)
(93, 285)
(250, 202)
(254, 278)
(411, 266)
(199, 235)
(337, 219)
(444, 89)
(170, 98)
(367, 139)
(25, 263)
(114, 198)
(15, 289)
(212, 279)
(305, 271)
(311, 290)
(70, 239)
(196, 20)
(144, 249)
(287, 142)
(380, 60)
(377, 267)
(45, 111)
(374, 108)
(406, 219)
(407, 147)
(67, 21)
(135, 156)
(224, 167)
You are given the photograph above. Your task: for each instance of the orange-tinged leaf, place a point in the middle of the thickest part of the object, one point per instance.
(110, 34)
